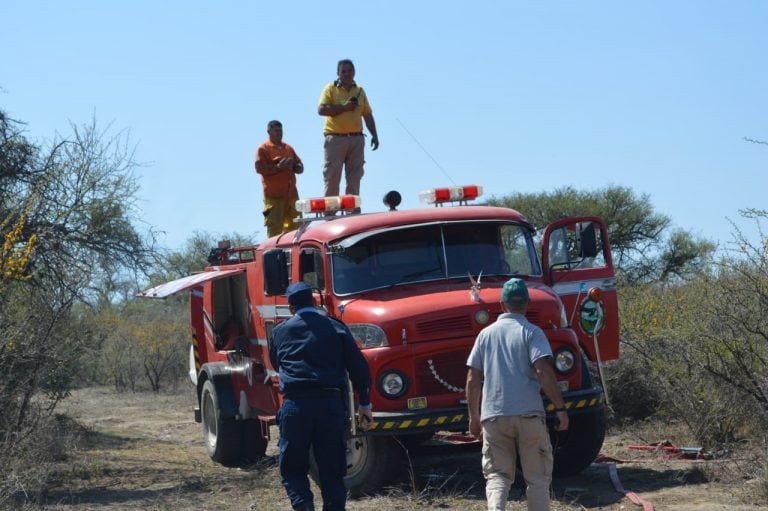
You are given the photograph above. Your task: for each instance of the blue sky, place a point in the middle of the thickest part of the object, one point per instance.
(515, 96)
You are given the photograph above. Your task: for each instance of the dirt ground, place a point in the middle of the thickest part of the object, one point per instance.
(144, 451)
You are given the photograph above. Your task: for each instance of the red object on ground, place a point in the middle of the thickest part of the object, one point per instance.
(688, 453)
(632, 496)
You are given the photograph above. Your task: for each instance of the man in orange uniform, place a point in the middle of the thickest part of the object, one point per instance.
(278, 165)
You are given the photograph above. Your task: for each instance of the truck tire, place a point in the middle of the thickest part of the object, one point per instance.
(372, 463)
(578, 447)
(254, 443)
(221, 436)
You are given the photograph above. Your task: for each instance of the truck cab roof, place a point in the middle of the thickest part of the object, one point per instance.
(349, 225)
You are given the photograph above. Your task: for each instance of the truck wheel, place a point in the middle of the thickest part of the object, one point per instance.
(222, 437)
(372, 462)
(254, 443)
(577, 448)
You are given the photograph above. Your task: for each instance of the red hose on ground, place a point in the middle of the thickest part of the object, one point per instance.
(632, 496)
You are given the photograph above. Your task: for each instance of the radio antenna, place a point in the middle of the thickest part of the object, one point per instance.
(425, 151)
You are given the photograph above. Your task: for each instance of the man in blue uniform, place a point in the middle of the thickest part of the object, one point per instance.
(313, 355)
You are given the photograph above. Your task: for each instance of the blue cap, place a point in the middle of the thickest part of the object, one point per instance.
(299, 294)
(515, 292)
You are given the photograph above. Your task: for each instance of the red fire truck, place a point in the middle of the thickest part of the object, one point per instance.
(415, 287)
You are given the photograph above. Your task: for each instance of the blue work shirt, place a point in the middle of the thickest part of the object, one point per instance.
(312, 351)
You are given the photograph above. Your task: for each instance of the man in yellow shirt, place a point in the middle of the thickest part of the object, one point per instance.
(345, 105)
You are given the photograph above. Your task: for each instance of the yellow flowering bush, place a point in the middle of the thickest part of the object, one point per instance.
(16, 252)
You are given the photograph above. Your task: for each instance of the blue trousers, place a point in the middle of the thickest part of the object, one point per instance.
(319, 423)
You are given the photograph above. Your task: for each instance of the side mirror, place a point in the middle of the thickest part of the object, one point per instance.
(587, 240)
(275, 272)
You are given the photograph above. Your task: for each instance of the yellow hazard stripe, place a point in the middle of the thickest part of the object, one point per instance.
(417, 423)
(441, 420)
(577, 405)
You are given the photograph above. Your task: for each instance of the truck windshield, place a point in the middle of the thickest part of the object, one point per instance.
(433, 252)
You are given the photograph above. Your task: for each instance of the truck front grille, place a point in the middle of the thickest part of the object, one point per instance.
(462, 326)
(532, 315)
(456, 325)
(442, 373)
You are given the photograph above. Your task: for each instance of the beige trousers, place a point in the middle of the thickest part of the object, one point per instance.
(504, 438)
(349, 153)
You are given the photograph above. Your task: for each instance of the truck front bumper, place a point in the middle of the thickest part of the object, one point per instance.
(457, 419)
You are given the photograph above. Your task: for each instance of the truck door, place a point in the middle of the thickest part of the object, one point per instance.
(311, 269)
(312, 272)
(202, 325)
(576, 257)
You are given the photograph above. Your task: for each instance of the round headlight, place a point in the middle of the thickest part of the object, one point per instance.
(482, 317)
(565, 360)
(392, 384)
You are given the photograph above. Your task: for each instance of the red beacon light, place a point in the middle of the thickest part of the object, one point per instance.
(438, 196)
(325, 205)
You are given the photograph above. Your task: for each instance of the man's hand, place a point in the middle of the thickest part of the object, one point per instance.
(298, 167)
(562, 421)
(285, 163)
(375, 142)
(548, 381)
(474, 390)
(475, 427)
(365, 416)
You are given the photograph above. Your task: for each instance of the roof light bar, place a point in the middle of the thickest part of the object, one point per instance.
(450, 194)
(320, 205)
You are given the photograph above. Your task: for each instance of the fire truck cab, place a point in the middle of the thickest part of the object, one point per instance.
(415, 288)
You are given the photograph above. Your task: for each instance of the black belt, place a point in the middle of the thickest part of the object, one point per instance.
(360, 134)
(312, 393)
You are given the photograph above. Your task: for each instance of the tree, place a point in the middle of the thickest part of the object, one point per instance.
(66, 223)
(755, 141)
(144, 344)
(642, 248)
(194, 254)
(15, 253)
(735, 342)
(704, 342)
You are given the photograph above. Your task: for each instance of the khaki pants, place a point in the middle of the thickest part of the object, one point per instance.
(279, 215)
(503, 439)
(343, 151)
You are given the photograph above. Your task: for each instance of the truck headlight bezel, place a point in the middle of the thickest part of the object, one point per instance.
(368, 334)
(565, 360)
(393, 384)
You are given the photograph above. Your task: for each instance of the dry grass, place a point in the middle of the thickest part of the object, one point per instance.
(144, 451)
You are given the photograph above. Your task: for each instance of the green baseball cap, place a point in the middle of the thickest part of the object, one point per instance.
(515, 292)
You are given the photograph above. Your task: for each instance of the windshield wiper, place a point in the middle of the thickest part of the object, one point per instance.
(406, 279)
